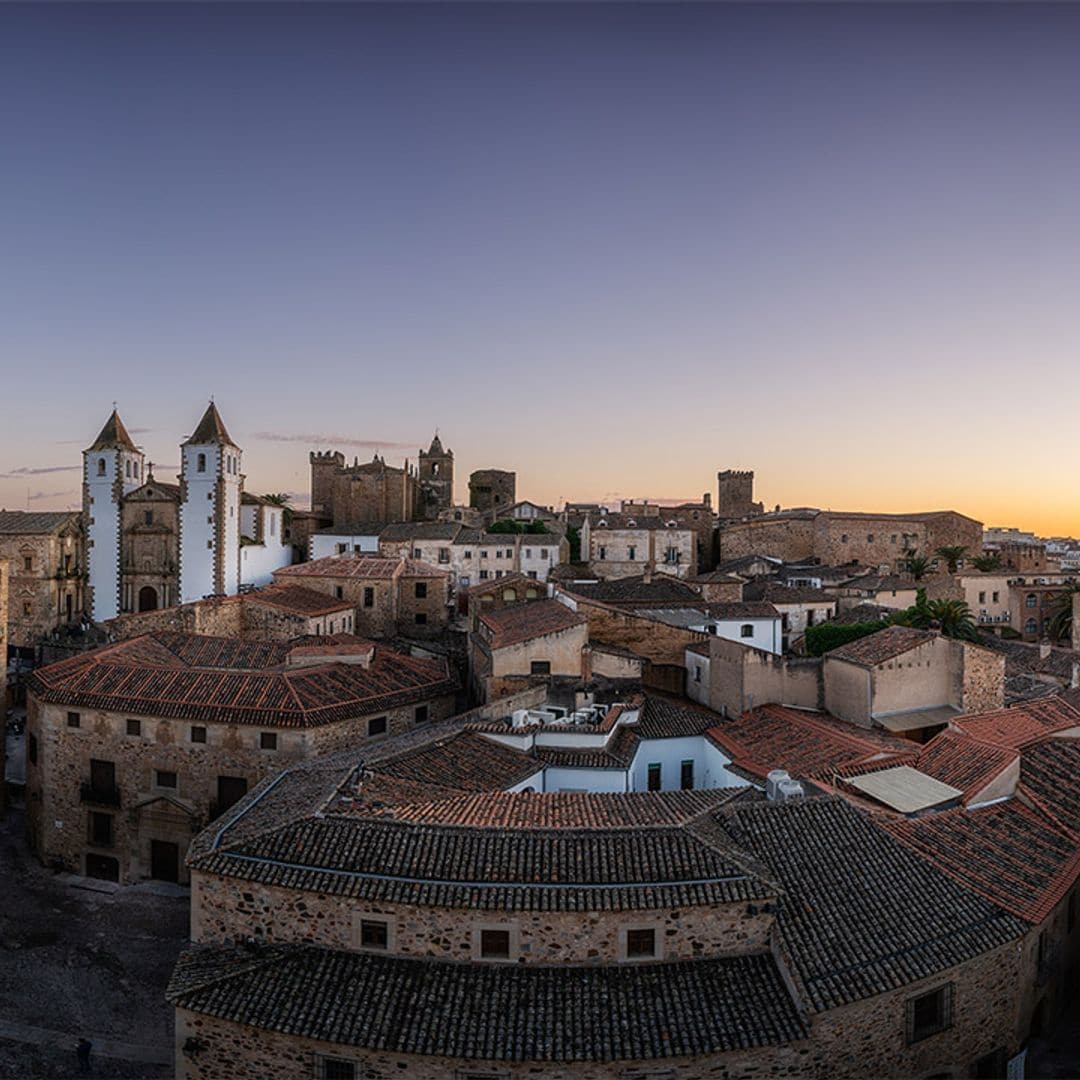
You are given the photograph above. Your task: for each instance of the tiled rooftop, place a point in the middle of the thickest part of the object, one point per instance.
(185, 676)
(513, 625)
(360, 566)
(662, 589)
(1049, 773)
(22, 523)
(492, 1011)
(1022, 724)
(963, 762)
(882, 645)
(297, 600)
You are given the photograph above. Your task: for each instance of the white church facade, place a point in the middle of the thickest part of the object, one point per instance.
(152, 544)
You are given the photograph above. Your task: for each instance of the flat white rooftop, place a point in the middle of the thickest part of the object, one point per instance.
(905, 789)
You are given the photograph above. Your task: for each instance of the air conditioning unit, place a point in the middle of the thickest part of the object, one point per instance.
(790, 791)
(773, 781)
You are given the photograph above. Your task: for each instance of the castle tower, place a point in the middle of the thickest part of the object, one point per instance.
(324, 468)
(210, 488)
(112, 467)
(736, 495)
(436, 474)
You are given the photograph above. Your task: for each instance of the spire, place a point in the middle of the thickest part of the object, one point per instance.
(211, 430)
(113, 435)
(436, 444)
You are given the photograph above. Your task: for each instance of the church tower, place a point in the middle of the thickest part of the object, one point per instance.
(112, 467)
(436, 475)
(210, 487)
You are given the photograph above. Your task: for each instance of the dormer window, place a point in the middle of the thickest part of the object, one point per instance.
(200, 463)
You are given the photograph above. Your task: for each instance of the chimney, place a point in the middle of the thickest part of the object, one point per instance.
(707, 499)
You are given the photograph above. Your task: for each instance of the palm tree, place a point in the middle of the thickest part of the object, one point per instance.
(952, 554)
(281, 499)
(918, 615)
(918, 566)
(954, 619)
(1061, 619)
(987, 563)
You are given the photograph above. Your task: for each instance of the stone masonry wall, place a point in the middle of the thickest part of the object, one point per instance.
(983, 679)
(656, 641)
(223, 909)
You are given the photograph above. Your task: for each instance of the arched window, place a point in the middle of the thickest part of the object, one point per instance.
(127, 469)
(746, 630)
(200, 463)
(435, 469)
(509, 594)
(1031, 600)
(101, 466)
(1031, 627)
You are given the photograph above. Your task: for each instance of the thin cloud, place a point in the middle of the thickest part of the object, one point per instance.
(17, 474)
(331, 440)
(37, 496)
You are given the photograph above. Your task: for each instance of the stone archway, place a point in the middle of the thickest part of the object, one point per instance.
(148, 598)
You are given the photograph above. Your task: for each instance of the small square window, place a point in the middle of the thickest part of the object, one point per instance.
(198, 734)
(420, 619)
(495, 944)
(929, 1014)
(134, 727)
(74, 719)
(420, 714)
(540, 667)
(373, 934)
(337, 1069)
(164, 778)
(268, 740)
(376, 726)
(640, 944)
(420, 590)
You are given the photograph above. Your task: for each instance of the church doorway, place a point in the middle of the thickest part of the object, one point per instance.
(148, 598)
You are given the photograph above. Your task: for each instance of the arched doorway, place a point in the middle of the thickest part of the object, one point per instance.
(148, 598)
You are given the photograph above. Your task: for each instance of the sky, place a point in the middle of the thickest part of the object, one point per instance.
(615, 248)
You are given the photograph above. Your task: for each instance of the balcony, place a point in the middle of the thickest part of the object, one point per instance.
(99, 794)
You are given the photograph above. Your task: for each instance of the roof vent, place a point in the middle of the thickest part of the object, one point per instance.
(773, 781)
(789, 791)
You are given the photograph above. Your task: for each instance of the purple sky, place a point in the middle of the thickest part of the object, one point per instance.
(614, 248)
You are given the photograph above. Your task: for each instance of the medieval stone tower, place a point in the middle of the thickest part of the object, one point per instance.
(210, 488)
(736, 495)
(112, 467)
(436, 475)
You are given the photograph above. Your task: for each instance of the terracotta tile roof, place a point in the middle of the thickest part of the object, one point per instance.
(360, 566)
(1007, 853)
(419, 530)
(861, 913)
(465, 761)
(617, 754)
(963, 762)
(809, 745)
(492, 1011)
(513, 625)
(746, 609)
(23, 523)
(1048, 776)
(671, 718)
(882, 645)
(663, 590)
(221, 680)
(1022, 724)
(613, 521)
(113, 436)
(774, 593)
(863, 613)
(297, 600)
(717, 577)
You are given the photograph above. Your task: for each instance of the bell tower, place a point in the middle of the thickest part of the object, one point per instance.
(436, 475)
(112, 467)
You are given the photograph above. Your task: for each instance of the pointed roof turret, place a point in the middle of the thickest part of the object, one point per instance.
(436, 445)
(211, 430)
(114, 436)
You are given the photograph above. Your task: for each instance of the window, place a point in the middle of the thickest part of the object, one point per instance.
(230, 790)
(543, 553)
(631, 553)
(101, 466)
(1031, 627)
(603, 553)
(134, 727)
(444, 555)
(342, 548)
(100, 829)
(929, 1014)
(164, 778)
(746, 630)
(483, 575)
(990, 1066)
(483, 554)
(468, 554)
(509, 553)
(494, 944)
(641, 944)
(339, 592)
(654, 775)
(869, 538)
(686, 775)
(843, 538)
(376, 726)
(369, 597)
(74, 719)
(267, 740)
(509, 595)
(337, 1069)
(498, 553)
(31, 749)
(420, 714)
(28, 562)
(198, 734)
(540, 667)
(1031, 600)
(417, 553)
(373, 934)
(697, 673)
(420, 590)
(28, 609)
(982, 597)
(420, 619)
(995, 596)
(200, 463)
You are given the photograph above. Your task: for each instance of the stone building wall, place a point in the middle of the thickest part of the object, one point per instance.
(214, 618)
(223, 909)
(41, 593)
(741, 678)
(150, 549)
(787, 538)
(983, 678)
(719, 592)
(5, 570)
(347, 734)
(656, 641)
(492, 490)
(561, 649)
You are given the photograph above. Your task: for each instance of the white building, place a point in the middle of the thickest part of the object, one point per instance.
(757, 624)
(362, 539)
(263, 547)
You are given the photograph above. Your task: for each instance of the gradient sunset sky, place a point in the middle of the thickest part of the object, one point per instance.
(614, 248)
